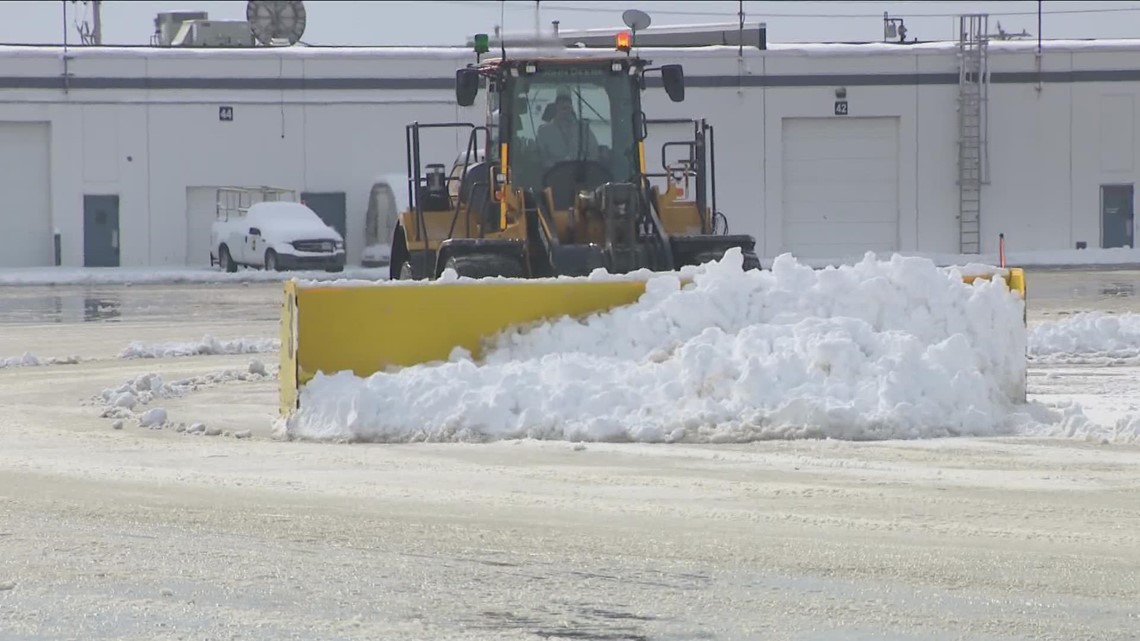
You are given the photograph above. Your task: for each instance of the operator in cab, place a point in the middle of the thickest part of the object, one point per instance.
(558, 140)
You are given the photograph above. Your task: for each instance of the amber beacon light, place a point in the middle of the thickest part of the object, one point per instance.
(623, 41)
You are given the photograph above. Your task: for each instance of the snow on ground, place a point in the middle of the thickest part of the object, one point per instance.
(29, 359)
(208, 346)
(132, 399)
(881, 349)
(1088, 337)
(164, 275)
(1044, 258)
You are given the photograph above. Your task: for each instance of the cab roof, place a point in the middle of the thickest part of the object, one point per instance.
(494, 63)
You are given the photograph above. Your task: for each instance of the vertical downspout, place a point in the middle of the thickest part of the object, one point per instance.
(740, 49)
(1038, 46)
(66, 84)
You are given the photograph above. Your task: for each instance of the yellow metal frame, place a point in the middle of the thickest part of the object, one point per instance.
(374, 328)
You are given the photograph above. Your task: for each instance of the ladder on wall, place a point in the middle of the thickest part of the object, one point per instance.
(973, 165)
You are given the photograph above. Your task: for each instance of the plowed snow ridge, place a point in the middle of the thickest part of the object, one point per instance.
(208, 346)
(1087, 337)
(879, 349)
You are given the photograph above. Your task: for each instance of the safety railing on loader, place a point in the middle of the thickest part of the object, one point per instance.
(700, 165)
(417, 182)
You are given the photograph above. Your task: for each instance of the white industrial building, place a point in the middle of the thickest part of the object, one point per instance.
(821, 150)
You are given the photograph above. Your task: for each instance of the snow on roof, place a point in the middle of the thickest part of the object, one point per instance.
(465, 53)
(1001, 46)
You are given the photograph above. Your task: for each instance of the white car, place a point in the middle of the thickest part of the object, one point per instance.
(276, 236)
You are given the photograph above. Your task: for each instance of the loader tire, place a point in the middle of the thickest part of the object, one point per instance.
(751, 260)
(485, 266)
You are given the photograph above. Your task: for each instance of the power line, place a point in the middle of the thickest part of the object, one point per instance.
(771, 14)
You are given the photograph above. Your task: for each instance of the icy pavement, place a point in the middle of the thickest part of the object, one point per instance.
(38, 276)
(140, 533)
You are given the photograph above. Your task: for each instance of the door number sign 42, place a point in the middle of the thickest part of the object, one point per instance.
(840, 107)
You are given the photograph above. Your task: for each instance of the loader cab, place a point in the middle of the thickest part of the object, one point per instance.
(565, 123)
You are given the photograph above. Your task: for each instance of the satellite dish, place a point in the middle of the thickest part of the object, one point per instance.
(635, 19)
(276, 22)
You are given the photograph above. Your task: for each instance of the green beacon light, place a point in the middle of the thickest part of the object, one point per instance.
(482, 43)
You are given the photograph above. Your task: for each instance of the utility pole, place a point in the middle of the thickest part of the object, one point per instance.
(97, 27)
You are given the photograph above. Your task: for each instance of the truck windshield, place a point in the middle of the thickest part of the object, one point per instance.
(568, 113)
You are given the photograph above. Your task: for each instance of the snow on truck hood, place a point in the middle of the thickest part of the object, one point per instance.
(880, 349)
(292, 220)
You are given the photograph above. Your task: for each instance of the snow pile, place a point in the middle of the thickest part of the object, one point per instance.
(208, 346)
(1088, 337)
(29, 359)
(1070, 419)
(890, 349)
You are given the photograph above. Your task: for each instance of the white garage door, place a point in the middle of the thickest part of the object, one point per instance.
(25, 195)
(201, 204)
(841, 191)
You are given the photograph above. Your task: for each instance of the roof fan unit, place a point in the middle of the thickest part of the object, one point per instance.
(276, 23)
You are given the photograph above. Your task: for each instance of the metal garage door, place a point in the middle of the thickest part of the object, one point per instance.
(201, 205)
(840, 186)
(25, 185)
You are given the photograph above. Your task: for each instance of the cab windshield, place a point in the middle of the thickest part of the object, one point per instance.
(571, 117)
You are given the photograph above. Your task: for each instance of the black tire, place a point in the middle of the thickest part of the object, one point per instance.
(485, 266)
(751, 260)
(225, 261)
(270, 264)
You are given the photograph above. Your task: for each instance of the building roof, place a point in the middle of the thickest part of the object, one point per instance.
(774, 49)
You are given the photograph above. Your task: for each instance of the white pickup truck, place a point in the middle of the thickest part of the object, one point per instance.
(274, 235)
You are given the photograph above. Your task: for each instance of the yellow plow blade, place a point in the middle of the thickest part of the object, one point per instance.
(370, 328)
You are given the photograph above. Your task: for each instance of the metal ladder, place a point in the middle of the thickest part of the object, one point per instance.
(973, 152)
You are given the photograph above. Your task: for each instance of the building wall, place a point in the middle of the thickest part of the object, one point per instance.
(145, 125)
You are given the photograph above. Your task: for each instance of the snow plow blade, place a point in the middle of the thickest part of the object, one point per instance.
(372, 328)
(368, 329)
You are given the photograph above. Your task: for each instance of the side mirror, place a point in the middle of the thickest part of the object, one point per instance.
(466, 86)
(254, 231)
(674, 78)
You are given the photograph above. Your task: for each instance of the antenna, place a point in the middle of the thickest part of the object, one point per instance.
(636, 20)
(276, 22)
(537, 22)
(503, 23)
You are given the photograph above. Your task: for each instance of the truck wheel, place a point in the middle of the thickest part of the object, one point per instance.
(271, 261)
(225, 261)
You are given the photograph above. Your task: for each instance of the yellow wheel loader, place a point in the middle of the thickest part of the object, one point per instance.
(555, 183)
